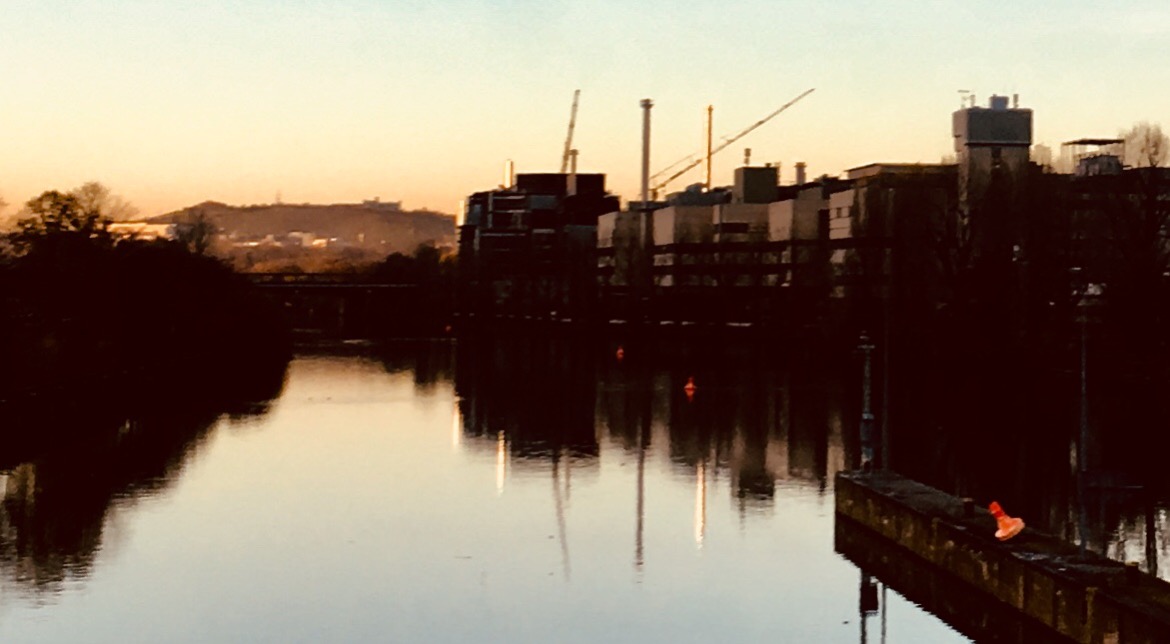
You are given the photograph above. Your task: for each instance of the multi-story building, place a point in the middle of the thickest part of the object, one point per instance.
(527, 249)
(885, 239)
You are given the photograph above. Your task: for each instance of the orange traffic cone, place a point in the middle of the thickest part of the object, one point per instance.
(621, 353)
(1008, 526)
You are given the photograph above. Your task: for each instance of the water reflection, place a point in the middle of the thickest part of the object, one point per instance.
(558, 400)
(1027, 459)
(552, 472)
(885, 565)
(575, 499)
(765, 421)
(59, 506)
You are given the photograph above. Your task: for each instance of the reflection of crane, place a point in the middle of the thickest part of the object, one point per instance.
(726, 142)
(569, 136)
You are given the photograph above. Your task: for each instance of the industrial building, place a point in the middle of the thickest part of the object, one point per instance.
(883, 239)
(526, 249)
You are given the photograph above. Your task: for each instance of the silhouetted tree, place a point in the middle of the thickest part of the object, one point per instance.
(196, 233)
(54, 215)
(93, 197)
(1146, 146)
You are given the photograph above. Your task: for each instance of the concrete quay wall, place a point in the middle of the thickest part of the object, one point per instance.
(1090, 599)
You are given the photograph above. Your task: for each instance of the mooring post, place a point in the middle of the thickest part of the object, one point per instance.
(867, 421)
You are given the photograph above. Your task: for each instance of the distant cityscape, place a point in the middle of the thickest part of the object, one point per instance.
(556, 246)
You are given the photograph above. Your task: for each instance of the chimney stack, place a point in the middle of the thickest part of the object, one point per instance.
(646, 105)
(800, 168)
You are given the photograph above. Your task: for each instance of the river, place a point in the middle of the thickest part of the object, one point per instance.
(434, 493)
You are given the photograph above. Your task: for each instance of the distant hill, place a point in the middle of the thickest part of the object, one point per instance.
(379, 226)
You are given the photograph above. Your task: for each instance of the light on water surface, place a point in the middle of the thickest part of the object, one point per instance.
(353, 511)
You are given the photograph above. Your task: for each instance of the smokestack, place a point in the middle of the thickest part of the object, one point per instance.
(646, 105)
(747, 157)
(800, 173)
(509, 173)
(707, 182)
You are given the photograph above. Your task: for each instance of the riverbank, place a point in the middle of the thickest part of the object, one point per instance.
(1085, 597)
(93, 329)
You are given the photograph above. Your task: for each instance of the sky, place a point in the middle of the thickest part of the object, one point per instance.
(171, 103)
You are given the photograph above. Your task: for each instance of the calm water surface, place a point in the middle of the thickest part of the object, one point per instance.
(434, 497)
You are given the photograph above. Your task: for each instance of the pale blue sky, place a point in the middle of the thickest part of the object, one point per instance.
(171, 103)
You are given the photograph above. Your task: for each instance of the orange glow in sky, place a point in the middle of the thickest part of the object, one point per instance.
(170, 104)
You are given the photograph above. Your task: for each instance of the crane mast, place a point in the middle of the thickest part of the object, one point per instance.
(727, 142)
(569, 137)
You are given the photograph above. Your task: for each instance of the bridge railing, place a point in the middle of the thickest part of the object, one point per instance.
(316, 279)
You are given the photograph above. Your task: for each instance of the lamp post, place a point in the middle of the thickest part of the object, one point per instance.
(867, 421)
(1087, 294)
(1083, 440)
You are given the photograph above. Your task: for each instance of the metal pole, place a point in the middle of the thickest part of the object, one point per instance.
(707, 182)
(884, 428)
(647, 281)
(1082, 464)
(867, 420)
(646, 105)
(1084, 391)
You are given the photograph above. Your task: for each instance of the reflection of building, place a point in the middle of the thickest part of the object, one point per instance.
(533, 403)
(537, 399)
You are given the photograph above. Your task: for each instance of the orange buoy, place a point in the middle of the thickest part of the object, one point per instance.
(1008, 526)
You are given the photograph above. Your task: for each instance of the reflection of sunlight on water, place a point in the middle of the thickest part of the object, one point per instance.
(456, 426)
(501, 461)
(1139, 535)
(701, 504)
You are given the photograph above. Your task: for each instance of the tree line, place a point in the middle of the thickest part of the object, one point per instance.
(89, 320)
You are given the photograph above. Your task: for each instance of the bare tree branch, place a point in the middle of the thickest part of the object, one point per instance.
(1146, 146)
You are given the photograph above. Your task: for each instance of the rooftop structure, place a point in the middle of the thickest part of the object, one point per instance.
(1094, 157)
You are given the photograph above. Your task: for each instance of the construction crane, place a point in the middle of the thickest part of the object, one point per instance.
(569, 137)
(726, 142)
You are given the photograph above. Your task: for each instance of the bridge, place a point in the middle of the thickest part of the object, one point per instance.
(352, 305)
(336, 281)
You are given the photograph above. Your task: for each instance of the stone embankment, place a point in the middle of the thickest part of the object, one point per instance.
(1045, 579)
